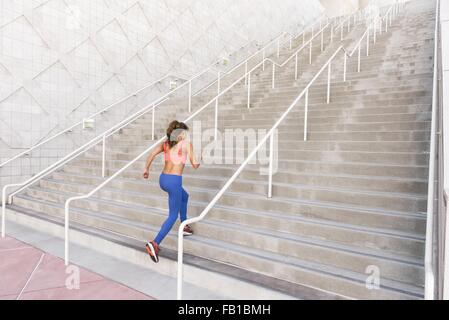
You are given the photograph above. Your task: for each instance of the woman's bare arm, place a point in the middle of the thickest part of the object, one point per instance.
(159, 149)
(192, 157)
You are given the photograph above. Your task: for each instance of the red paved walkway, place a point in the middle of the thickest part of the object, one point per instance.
(27, 273)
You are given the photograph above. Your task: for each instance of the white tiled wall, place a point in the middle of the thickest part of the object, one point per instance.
(61, 60)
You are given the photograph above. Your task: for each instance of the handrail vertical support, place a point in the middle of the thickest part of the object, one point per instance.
(329, 83)
(306, 112)
(103, 158)
(270, 168)
(272, 80)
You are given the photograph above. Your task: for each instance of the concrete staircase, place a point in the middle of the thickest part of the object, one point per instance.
(351, 197)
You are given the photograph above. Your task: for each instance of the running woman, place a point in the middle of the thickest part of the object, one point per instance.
(176, 149)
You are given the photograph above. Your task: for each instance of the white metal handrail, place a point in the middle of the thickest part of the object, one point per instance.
(80, 123)
(310, 44)
(429, 287)
(105, 109)
(119, 172)
(246, 77)
(269, 135)
(264, 54)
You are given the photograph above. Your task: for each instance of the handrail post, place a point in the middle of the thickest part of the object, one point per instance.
(329, 83)
(310, 52)
(249, 90)
(306, 112)
(270, 167)
(103, 158)
(190, 98)
(345, 66)
(272, 80)
(296, 66)
(358, 67)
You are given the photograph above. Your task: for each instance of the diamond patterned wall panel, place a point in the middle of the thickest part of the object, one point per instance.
(61, 60)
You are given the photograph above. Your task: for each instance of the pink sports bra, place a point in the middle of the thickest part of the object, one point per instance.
(180, 156)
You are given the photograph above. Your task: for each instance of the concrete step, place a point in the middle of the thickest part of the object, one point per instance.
(276, 265)
(315, 250)
(402, 202)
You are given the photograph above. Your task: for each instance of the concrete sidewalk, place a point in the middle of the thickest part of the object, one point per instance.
(27, 273)
(102, 277)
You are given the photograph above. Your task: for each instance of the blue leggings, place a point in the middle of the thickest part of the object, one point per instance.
(177, 203)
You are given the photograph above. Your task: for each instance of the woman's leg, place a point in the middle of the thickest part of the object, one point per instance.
(184, 203)
(174, 189)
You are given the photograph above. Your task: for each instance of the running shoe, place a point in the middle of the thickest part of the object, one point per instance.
(153, 250)
(187, 231)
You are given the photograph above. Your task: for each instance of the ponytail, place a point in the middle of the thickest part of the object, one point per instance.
(173, 132)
